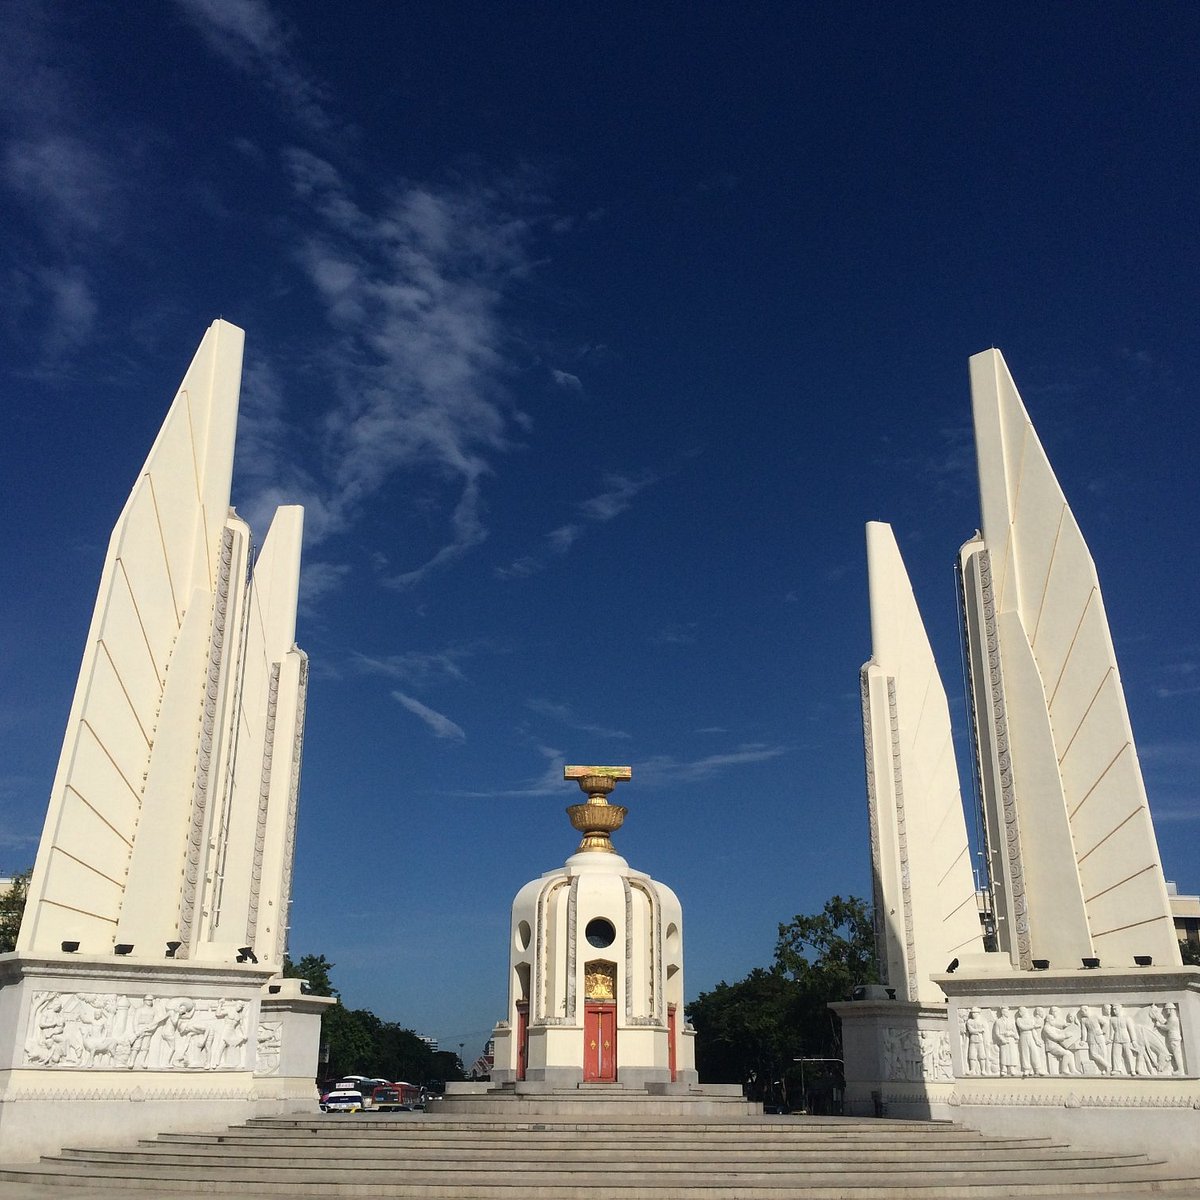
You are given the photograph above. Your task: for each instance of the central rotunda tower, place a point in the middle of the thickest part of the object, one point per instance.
(595, 985)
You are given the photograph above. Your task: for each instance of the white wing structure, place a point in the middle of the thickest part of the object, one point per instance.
(1073, 858)
(925, 906)
(172, 813)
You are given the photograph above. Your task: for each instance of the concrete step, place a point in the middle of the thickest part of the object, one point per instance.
(585, 1186)
(692, 1154)
(742, 1159)
(515, 1121)
(535, 1158)
(347, 1137)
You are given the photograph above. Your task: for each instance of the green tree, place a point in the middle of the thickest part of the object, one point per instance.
(350, 1040)
(746, 1033)
(832, 951)
(752, 1031)
(314, 969)
(1190, 953)
(362, 1043)
(12, 909)
(402, 1055)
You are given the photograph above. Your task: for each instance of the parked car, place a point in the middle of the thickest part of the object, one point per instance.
(342, 1100)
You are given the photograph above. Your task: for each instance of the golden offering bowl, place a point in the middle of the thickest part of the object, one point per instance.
(598, 818)
(596, 822)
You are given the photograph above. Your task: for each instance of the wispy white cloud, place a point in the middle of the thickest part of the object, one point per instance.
(664, 769)
(1181, 753)
(661, 770)
(676, 634)
(414, 287)
(548, 783)
(563, 538)
(521, 568)
(70, 186)
(254, 40)
(946, 461)
(565, 379)
(1187, 673)
(557, 542)
(618, 495)
(72, 309)
(318, 580)
(565, 716)
(1173, 816)
(416, 293)
(416, 667)
(63, 176)
(440, 725)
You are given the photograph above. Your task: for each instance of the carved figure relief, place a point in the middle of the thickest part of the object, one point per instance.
(917, 1055)
(1143, 1040)
(151, 1033)
(270, 1047)
(600, 980)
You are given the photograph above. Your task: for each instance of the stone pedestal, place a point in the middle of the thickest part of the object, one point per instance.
(97, 1051)
(289, 1043)
(898, 1059)
(1106, 1059)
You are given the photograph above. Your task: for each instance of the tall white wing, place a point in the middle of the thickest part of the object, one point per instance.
(926, 911)
(1057, 752)
(160, 577)
(248, 898)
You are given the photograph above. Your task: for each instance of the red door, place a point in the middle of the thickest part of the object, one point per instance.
(600, 1043)
(671, 1040)
(522, 1039)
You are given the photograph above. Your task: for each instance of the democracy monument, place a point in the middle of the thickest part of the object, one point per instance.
(1081, 1020)
(145, 995)
(596, 972)
(595, 989)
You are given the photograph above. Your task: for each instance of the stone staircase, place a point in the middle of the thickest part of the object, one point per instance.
(653, 1158)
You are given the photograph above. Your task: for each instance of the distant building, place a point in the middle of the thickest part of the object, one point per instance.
(482, 1066)
(1186, 912)
(431, 1042)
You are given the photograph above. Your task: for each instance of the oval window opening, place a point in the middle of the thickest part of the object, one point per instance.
(523, 932)
(599, 933)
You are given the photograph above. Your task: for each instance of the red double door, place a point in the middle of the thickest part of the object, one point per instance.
(600, 1043)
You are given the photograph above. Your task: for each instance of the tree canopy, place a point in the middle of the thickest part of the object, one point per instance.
(12, 909)
(753, 1031)
(361, 1043)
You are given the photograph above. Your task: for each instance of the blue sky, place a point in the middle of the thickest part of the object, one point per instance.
(590, 336)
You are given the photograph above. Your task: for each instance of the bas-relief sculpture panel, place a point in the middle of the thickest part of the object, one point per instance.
(1116, 1040)
(917, 1055)
(147, 1033)
(269, 1051)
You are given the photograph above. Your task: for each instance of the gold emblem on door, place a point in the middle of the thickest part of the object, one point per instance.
(600, 980)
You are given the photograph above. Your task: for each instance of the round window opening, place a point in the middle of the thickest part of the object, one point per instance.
(599, 933)
(523, 933)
